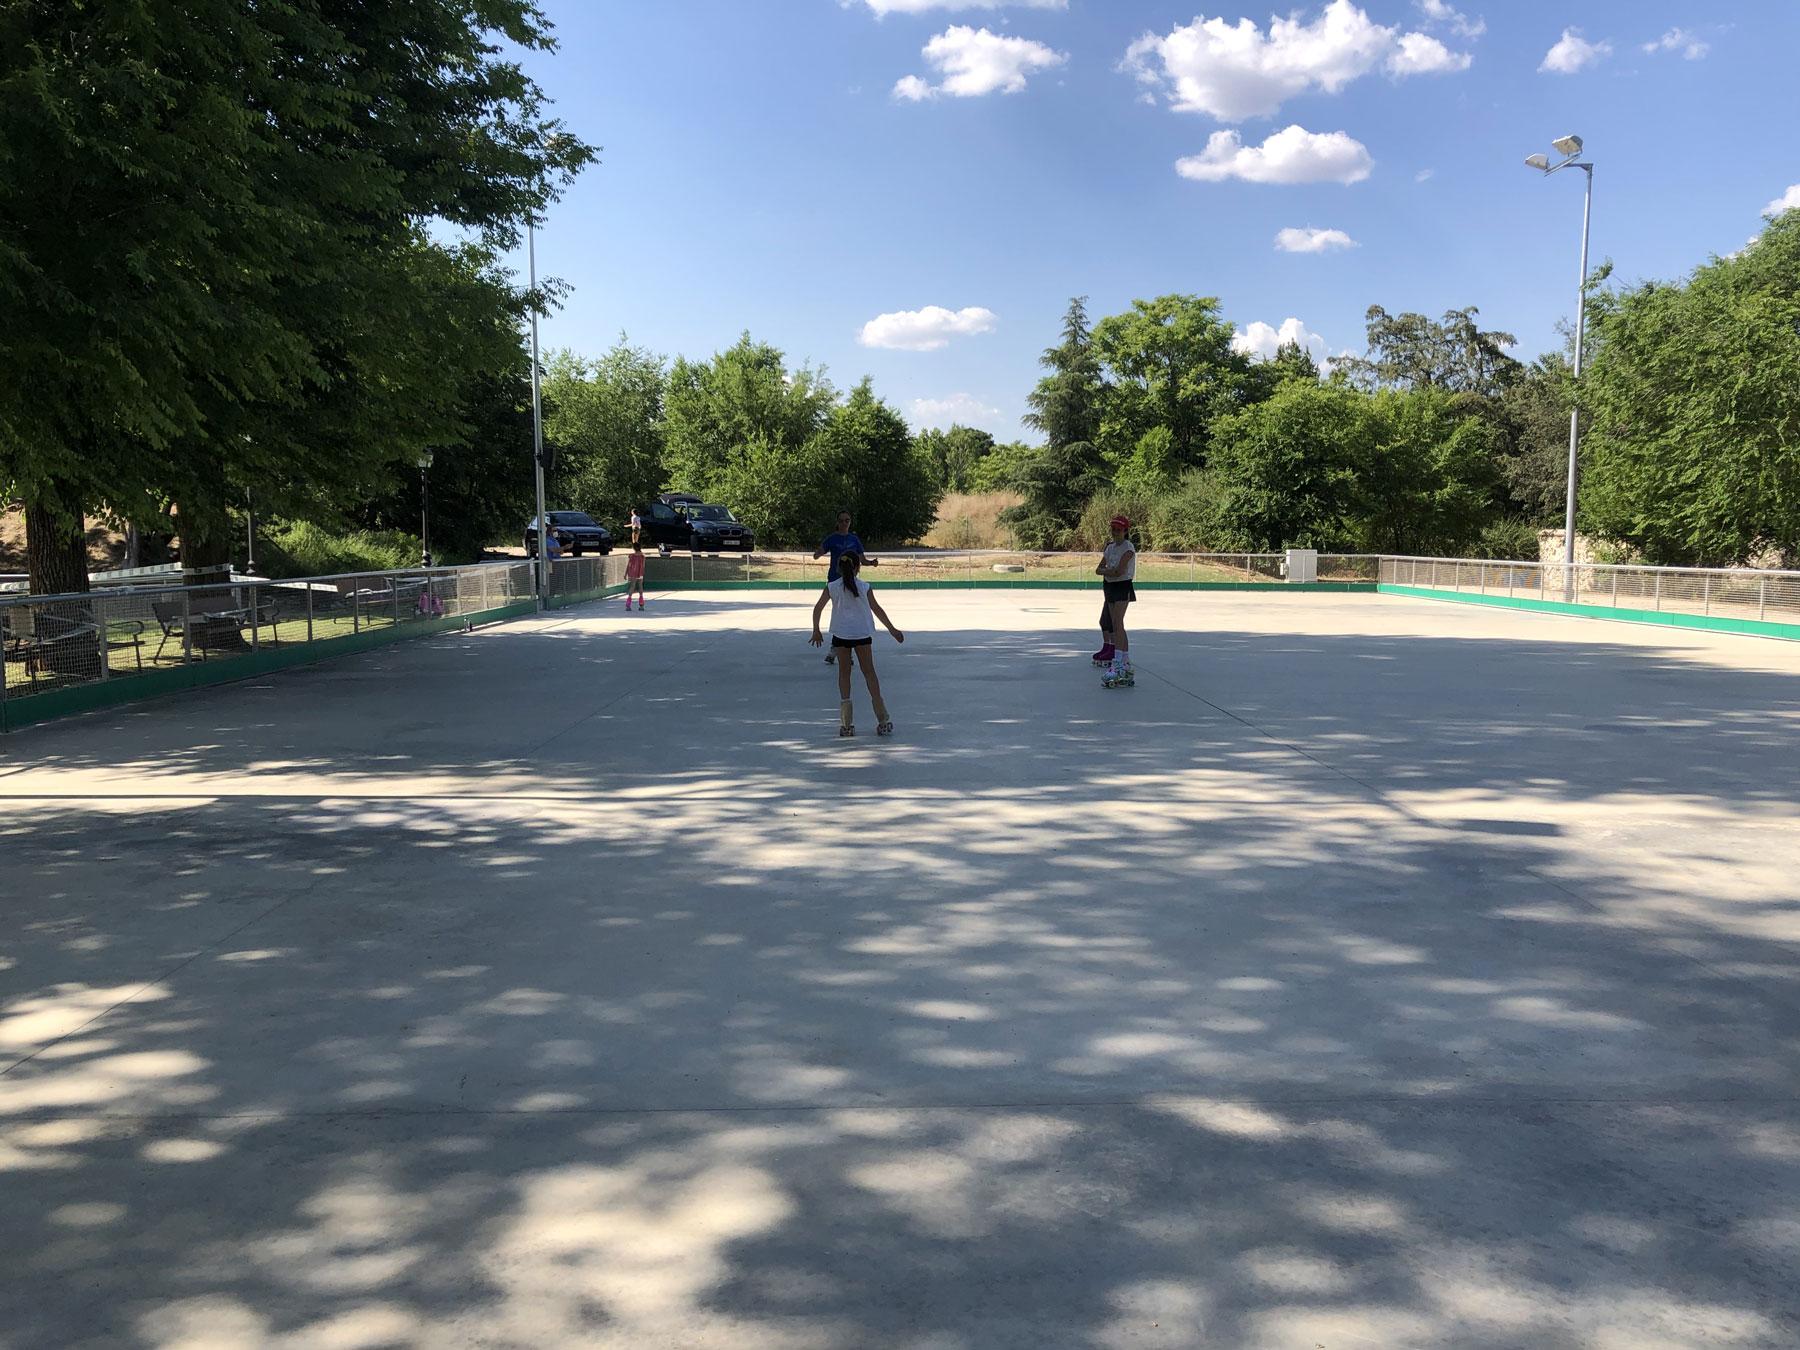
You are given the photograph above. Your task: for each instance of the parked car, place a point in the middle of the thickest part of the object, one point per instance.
(681, 520)
(576, 531)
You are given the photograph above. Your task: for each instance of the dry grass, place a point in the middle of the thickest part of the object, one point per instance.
(106, 546)
(972, 520)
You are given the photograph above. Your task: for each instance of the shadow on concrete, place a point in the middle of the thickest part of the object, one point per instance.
(1237, 1014)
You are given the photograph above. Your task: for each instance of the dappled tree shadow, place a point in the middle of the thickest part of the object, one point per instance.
(567, 985)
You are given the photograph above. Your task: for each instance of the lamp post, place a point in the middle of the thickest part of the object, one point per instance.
(1569, 147)
(425, 508)
(537, 419)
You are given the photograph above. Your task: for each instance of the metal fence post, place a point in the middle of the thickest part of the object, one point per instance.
(255, 618)
(1762, 598)
(105, 640)
(1658, 577)
(309, 612)
(355, 608)
(187, 627)
(1615, 588)
(1706, 593)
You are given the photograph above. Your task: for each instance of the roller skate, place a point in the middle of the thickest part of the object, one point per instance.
(846, 731)
(1120, 677)
(1104, 656)
(885, 729)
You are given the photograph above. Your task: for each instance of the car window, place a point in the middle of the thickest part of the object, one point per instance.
(712, 513)
(663, 511)
(570, 518)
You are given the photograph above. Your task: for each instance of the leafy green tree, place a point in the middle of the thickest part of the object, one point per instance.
(1410, 351)
(1066, 408)
(955, 456)
(742, 429)
(1169, 371)
(1693, 451)
(213, 253)
(887, 483)
(1426, 482)
(605, 423)
(1535, 462)
(1284, 472)
(1004, 469)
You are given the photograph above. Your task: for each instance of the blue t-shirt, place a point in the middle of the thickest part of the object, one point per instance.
(837, 545)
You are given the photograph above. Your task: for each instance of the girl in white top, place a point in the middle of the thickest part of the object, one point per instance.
(1117, 570)
(854, 610)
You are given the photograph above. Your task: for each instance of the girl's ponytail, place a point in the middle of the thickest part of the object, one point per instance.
(848, 566)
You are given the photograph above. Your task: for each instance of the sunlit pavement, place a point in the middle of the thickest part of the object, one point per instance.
(1375, 973)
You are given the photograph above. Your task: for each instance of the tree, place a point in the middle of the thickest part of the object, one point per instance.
(606, 426)
(741, 429)
(1410, 351)
(1693, 451)
(212, 247)
(1170, 369)
(955, 456)
(1428, 474)
(886, 482)
(1284, 472)
(1535, 461)
(1066, 408)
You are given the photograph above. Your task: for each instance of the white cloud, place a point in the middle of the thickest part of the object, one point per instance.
(1423, 175)
(1234, 71)
(1787, 201)
(925, 330)
(1438, 12)
(1294, 155)
(1417, 54)
(1573, 52)
(1312, 241)
(1679, 40)
(1261, 341)
(974, 62)
(882, 8)
(944, 413)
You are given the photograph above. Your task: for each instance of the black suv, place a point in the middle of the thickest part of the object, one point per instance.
(681, 520)
(576, 531)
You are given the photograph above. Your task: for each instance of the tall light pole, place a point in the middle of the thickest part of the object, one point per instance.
(1569, 147)
(537, 418)
(425, 508)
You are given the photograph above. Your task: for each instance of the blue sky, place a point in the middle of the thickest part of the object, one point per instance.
(801, 168)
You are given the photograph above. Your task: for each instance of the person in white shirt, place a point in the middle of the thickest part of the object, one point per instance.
(1117, 570)
(854, 610)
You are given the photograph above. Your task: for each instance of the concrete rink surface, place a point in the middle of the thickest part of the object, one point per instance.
(1376, 973)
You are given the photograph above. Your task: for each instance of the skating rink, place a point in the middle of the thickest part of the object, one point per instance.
(1376, 973)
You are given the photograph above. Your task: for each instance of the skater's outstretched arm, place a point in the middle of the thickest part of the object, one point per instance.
(887, 623)
(818, 638)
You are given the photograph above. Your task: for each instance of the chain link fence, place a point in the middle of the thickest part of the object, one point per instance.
(65, 641)
(1721, 592)
(951, 566)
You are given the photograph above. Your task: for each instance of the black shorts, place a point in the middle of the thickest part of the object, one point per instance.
(1120, 590)
(852, 642)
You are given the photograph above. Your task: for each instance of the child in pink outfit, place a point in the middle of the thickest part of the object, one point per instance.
(634, 575)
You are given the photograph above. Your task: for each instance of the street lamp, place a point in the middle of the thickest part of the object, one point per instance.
(425, 507)
(1569, 147)
(537, 417)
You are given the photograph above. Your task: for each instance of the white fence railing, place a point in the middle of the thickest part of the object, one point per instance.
(1739, 593)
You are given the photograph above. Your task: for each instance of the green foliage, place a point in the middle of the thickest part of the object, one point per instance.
(955, 456)
(1410, 351)
(782, 451)
(1057, 479)
(1425, 482)
(1693, 452)
(1535, 465)
(1094, 530)
(1186, 520)
(1004, 469)
(604, 424)
(1510, 538)
(1168, 369)
(1284, 472)
(216, 261)
(303, 549)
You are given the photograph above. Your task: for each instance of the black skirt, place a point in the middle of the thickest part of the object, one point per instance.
(1120, 590)
(852, 642)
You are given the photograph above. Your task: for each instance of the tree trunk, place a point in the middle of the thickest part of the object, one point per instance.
(206, 539)
(55, 544)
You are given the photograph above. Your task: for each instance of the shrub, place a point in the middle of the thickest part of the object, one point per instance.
(1509, 539)
(1093, 531)
(302, 549)
(972, 520)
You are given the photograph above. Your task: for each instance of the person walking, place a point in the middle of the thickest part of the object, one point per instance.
(634, 575)
(854, 610)
(843, 540)
(637, 527)
(1117, 571)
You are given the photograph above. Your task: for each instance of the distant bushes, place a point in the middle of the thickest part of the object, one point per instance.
(303, 549)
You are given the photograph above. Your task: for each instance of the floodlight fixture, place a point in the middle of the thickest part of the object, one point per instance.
(1540, 162)
(1567, 145)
